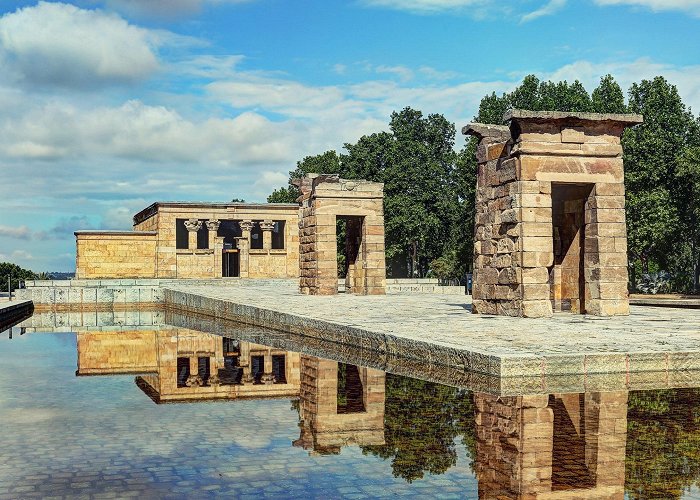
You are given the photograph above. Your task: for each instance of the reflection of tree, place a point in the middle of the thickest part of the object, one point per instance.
(421, 422)
(663, 443)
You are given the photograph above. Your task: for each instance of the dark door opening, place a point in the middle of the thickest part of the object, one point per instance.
(349, 250)
(230, 263)
(350, 397)
(567, 281)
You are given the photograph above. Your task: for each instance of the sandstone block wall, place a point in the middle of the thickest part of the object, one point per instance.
(550, 222)
(150, 251)
(172, 344)
(115, 254)
(102, 353)
(325, 198)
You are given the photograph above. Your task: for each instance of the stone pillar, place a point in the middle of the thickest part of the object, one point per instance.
(192, 225)
(215, 244)
(267, 226)
(213, 227)
(243, 244)
(194, 380)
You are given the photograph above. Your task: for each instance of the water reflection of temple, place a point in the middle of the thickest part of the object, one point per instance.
(557, 446)
(183, 365)
(339, 405)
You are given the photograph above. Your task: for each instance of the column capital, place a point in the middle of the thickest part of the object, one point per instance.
(267, 225)
(213, 225)
(246, 225)
(194, 381)
(193, 225)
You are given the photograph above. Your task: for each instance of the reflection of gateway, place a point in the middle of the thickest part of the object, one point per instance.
(339, 405)
(554, 447)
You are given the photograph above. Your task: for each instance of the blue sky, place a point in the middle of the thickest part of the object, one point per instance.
(109, 105)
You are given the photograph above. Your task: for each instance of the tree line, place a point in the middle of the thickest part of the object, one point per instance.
(429, 185)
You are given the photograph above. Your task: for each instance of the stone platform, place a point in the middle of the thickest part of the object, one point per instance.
(440, 330)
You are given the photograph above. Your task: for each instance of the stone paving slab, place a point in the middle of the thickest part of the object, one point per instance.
(442, 329)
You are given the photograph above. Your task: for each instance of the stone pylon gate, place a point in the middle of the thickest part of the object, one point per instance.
(550, 230)
(325, 199)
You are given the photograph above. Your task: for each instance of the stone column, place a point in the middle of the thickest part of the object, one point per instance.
(243, 244)
(215, 244)
(213, 227)
(192, 225)
(194, 380)
(213, 371)
(267, 226)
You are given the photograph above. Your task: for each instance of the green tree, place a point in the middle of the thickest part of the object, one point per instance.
(15, 273)
(688, 173)
(608, 97)
(663, 443)
(422, 421)
(287, 194)
(652, 185)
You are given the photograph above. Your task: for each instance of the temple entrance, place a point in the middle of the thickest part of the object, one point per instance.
(566, 276)
(230, 263)
(349, 251)
(358, 257)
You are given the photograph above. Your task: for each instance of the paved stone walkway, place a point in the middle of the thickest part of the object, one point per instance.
(650, 339)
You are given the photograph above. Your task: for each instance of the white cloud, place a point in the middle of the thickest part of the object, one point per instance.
(548, 9)
(689, 6)
(20, 232)
(426, 6)
(169, 9)
(402, 72)
(56, 44)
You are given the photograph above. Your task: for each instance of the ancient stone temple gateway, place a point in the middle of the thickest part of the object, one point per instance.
(550, 215)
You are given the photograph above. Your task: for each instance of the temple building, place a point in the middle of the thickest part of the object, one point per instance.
(176, 240)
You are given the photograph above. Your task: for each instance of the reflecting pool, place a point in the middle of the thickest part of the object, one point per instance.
(148, 407)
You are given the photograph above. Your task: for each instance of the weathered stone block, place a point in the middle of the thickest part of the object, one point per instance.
(537, 259)
(537, 308)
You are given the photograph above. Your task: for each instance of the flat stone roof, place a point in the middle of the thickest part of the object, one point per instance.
(524, 114)
(442, 330)
(152, 209)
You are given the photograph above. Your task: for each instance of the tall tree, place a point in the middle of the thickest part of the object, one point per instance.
(650, 156)
(608, 97)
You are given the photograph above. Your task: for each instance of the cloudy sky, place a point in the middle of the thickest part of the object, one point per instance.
(109, 105)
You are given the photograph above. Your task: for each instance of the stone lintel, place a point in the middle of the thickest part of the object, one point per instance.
(114, 233)
(624, 120)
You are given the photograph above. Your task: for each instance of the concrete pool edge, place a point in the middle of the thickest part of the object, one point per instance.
(468, 360)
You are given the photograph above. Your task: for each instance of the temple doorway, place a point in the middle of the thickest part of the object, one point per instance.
(566, 276)
(350, 252)
(230, 263)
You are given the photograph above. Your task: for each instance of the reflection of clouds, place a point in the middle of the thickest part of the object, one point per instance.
(103, 432)
(31, 416)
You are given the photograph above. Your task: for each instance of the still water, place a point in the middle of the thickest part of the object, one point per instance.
(157, 411)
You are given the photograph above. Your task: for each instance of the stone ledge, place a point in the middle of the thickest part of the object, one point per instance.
(434, 330)
(564, 115)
